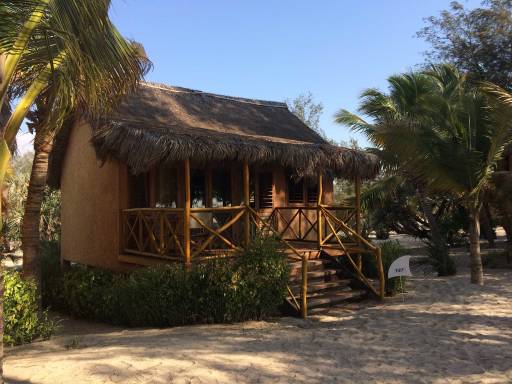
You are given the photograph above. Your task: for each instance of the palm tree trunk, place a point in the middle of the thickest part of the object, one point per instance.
(2, 325)
(487, 225)
(2, 122)
(30, 235)
(426, 207)
(477, 270)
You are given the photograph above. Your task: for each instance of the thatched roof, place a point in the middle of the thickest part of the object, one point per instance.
(163, 124)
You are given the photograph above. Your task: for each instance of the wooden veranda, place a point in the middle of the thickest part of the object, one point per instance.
(188, 235)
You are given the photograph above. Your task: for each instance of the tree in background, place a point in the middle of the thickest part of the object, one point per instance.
(308, 110)
(476, 41)
(17, 186)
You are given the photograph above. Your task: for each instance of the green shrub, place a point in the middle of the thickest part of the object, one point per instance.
(17, 187)
(50, 270)
(497, 259)
(439, 257)
(251, 286)
(22, 321)
(390, 251)
(381, 232)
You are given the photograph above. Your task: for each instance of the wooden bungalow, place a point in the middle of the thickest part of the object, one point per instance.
(178, 175)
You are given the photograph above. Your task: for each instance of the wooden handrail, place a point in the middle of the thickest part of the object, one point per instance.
(375, 250)
(349, 257)
(338, 207)
(170, 210)
(218, 209)
(350, 230)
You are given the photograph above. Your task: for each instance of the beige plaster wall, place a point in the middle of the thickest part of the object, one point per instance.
(90, 204)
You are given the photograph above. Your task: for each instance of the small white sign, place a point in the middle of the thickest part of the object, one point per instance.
(400, 267)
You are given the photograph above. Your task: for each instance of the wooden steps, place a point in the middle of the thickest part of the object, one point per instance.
(320, 304)
(327, 285)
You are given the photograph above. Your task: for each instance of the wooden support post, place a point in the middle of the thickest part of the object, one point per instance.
(247, 222)
(319, 212)
(161, 234)
(186, 213)
(304, 288)
(358, 219)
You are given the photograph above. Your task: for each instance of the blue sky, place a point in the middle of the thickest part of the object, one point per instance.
(278, 49)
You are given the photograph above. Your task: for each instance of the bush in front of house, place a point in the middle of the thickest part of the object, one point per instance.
(390, 251)
(22, 320)
(249, 287)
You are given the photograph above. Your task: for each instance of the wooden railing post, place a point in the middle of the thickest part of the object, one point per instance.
(247, 223)
(382, 278)
(319, 211)
(304, 288)
(186, 213)
(358, 218)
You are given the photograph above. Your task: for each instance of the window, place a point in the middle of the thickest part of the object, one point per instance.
(139, 190)
(265, 189)
(312, 193)
(295, 191)
(221, 188)
(252, 191)
(197, 188)
(166, 188)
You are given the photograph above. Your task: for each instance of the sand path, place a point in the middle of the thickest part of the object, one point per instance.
(447, 331)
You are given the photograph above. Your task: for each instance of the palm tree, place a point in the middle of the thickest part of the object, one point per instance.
(74, 62)
(401, 107)
(67, 41)
(453, 139)
(67, 56)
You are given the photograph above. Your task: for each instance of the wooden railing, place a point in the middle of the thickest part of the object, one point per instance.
(212, 230)
(221, 232)
(154, 232)
(295, 223)
(338, 227)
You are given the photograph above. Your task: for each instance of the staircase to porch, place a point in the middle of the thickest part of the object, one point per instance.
(326, 271)
(329, 283)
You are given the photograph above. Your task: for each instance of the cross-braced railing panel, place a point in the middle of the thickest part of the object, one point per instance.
(214, 230)
(153, 232)
(340, 231)
(296, 223)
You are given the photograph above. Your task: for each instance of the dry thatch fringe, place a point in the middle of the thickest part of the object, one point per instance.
(142, 148)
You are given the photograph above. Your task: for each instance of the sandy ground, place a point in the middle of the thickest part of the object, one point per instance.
(446, 331)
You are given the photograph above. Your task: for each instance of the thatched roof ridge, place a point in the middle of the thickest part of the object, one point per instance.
(164, 124)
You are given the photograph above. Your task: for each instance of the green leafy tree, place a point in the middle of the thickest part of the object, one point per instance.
(308, 110)
(474, 40)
